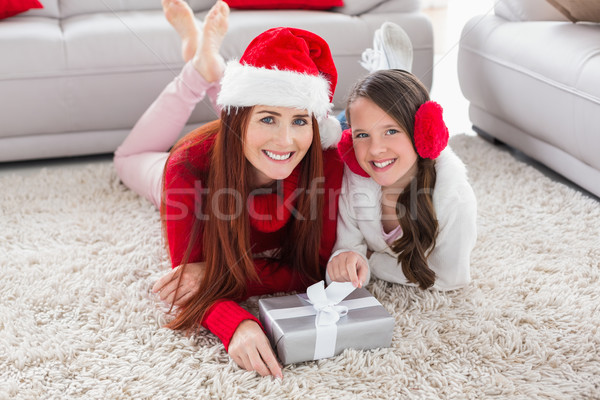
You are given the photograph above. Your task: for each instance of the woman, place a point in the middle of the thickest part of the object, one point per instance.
(407, 211)
(246, 207)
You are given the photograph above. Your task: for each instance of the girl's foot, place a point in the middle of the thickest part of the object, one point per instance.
(207, 60)
(181, 17)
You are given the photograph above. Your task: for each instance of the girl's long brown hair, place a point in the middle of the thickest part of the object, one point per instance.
(226, 241)
(400, 94)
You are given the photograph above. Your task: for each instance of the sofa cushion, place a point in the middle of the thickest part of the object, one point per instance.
(69, 8)
(123, 40)
(359, 7)
(35, 46)
(284, 4)
(578, 10)
(9, 8)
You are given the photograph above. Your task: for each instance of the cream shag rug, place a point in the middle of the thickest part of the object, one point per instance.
(79, 253)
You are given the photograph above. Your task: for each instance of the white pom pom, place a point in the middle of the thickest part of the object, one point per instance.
(331, 132)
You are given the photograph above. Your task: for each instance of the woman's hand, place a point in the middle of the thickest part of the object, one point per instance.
(348, 267)
(188, 286)
(251, 350)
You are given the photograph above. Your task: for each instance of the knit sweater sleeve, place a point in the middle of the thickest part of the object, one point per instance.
(224, 317)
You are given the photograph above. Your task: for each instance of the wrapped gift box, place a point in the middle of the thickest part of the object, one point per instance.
(294, 325)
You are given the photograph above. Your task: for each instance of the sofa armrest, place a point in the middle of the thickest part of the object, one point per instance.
(527, 10)
(359, 7)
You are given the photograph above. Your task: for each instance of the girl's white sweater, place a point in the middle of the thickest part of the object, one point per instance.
(359, 225)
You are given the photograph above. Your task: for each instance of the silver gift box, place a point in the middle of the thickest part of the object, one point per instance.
(294, 337)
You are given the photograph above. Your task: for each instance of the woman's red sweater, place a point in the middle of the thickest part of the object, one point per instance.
(267, 228)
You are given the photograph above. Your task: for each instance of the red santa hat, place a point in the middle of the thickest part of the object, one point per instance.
(285, 67)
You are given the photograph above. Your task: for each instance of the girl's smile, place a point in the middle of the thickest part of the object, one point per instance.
(383, 165)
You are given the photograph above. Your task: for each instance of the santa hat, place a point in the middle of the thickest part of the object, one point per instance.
(285, 67)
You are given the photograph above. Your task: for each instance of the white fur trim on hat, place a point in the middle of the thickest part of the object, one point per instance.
(330, 131)
(247, 86)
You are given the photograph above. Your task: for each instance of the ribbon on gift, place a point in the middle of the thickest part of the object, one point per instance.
(325, 303)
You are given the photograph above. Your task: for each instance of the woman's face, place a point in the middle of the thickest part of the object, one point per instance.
(382, 147)
(277, 139)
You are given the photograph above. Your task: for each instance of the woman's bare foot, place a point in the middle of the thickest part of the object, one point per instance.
(207, 60)
(181, 17)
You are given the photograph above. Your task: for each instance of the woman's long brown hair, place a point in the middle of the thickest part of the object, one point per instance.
(226, 241)
(400, 94)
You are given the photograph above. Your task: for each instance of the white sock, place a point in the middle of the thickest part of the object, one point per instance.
(392, 49)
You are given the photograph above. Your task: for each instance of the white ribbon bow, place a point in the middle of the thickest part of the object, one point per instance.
(325, 301)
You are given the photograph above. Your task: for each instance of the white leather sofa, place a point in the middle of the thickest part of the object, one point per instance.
(76, 75)
(533, 82)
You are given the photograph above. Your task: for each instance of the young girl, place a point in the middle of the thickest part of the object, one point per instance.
(243, 198)
(407, 211)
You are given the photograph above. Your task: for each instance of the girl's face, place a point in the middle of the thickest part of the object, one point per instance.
(277, 139)
(382, 148)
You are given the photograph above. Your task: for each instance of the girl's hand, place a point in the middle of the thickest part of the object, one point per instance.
(251, 350)
(188, 286)
(348, 267)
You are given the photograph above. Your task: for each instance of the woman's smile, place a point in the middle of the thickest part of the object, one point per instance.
(278, 156)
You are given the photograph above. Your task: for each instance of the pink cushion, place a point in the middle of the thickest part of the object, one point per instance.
(8, 8)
